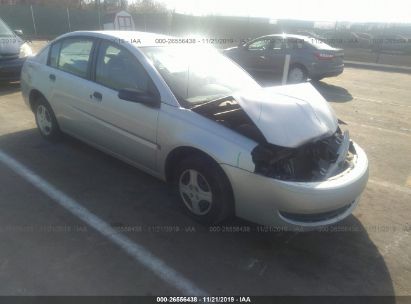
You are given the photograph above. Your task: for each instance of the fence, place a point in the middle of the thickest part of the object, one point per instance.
(40, 21)
(49, 21)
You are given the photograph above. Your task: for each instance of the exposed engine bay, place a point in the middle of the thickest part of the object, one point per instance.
(316, 160)
(229, 113)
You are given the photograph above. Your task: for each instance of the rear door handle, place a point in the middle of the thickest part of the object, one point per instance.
(52, 77)
(98, 95)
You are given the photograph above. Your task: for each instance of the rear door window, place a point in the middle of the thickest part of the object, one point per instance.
(75, 56)
(277, 44)
(294, 43)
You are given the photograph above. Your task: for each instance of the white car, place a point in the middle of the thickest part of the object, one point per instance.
(13, 53)
(190, 116)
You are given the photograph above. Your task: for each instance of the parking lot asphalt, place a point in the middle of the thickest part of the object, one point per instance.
(46, 250)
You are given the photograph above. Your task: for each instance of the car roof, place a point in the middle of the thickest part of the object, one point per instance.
(284, 35)
(135, 38)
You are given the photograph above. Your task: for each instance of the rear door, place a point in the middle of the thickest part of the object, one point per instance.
(126, 129)
(70, 63)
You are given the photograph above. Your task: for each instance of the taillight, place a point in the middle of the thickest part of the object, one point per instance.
(324, 56)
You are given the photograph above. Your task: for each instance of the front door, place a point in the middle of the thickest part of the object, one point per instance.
(127, 129)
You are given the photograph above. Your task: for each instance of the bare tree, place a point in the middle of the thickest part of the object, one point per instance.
(147, 6)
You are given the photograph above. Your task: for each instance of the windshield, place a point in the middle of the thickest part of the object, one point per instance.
(198, 74)
(4, 30)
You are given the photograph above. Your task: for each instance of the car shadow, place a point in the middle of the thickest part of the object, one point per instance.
(332, 92)
(9, 88)
(237, 257)
(338, 260)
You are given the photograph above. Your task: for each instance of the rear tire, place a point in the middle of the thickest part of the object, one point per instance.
(46, 120)
(297, 74)
(203, 190)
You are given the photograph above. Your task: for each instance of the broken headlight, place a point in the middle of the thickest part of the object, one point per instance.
(313, 161)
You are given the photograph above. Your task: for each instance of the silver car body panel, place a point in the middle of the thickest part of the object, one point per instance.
(260, 199)
(257, 198)
(291, 115)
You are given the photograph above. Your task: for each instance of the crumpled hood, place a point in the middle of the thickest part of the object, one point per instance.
(290, 115)
(10, 45)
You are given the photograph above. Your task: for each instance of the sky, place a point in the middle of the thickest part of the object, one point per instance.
(316, 10)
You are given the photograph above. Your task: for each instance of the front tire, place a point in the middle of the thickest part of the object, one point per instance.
(203, 190)
(46, 120)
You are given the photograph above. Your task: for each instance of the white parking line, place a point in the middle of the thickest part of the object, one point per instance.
(138, 252)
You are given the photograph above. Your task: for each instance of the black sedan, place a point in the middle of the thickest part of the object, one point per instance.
(309, 57)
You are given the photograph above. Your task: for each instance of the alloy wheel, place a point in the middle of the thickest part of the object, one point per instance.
(44, 120)
(195, 192)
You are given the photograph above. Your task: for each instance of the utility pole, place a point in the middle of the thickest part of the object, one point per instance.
(68, 19)
(34, 21)
(99, 14)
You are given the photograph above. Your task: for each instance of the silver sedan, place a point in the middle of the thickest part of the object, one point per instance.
(190, 116)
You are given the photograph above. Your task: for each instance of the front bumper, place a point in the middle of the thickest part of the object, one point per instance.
(298, 205)
(10, 69)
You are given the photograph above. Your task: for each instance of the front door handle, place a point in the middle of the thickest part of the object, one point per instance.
(98, 95)
(52, 77)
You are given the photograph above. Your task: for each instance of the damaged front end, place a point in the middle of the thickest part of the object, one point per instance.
(314, 161)
(297, 140)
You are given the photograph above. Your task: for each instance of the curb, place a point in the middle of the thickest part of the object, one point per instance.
(378, 67)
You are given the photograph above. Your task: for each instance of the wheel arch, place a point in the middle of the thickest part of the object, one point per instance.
(34, 96)
(179, 153)
(176, 155)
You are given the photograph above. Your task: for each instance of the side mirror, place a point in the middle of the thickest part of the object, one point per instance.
(243, 45)
(138, 96)
(18, 32)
